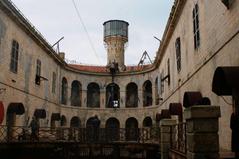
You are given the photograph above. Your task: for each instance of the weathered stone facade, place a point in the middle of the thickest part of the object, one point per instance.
(219, 40)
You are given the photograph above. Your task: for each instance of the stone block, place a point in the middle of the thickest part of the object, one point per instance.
(165, 137)
(164, 147)
(202, 125)
(202, 111)
(202, 142)
(167, 122)
(165, 129)
(191, 155)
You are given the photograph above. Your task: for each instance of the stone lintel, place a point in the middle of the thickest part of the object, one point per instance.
(202, 111)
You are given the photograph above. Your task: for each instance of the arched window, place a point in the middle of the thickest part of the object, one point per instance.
(131, 95)
(147, 93)
(75, 122)
(112, 129)
(93, 95)
(64, 91)
(112, 96)
(132, 132)
(76, 93)
(147, 122)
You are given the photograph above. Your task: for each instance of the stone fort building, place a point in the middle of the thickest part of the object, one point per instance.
(197, 58)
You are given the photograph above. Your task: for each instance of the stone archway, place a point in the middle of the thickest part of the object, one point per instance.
(132, 131)
(112, 128)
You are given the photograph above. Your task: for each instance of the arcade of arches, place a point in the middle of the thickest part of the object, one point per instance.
(112, 93)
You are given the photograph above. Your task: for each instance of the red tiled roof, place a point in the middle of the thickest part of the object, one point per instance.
(103, 69)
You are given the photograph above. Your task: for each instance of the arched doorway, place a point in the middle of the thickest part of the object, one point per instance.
(54, 118)
(147, 122)
(112, 96)
(93, 129)
(63, 121)
(147, 93)
(132, 131)
(131, 95)
(76, 93)
(75, 122)
(112, 128)
(75, 125)
(93, 95)
(13, 110)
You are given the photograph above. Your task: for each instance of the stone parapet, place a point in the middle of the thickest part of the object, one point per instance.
(165, 129)
(202, 131)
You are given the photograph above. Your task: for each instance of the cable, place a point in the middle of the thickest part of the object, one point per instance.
(84, 27)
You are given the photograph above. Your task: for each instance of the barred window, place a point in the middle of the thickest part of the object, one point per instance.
(14, 56)
(178, 53)
(38, 72)
(196, 26)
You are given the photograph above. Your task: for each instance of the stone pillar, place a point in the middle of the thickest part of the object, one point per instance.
(140, 96)
(202, 131)
(102, 99)
(165, 130)
(84, 98)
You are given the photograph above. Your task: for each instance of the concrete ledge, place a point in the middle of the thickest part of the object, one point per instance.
(202, 111)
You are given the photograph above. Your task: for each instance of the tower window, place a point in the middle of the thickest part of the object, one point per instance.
(14, 56)
(178, 53)
(196, 27)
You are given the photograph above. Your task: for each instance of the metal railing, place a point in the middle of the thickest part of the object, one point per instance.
(81, 135)
(178, 138)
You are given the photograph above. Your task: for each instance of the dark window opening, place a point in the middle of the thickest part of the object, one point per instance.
(147, 94)
(131, 95)
(147, 122)
(38, 72)
(76, 93)
(168, 65)
(75, 122)
(64, 91)
(93, 95)
(14, 56)
(132, 131)
(112, 96)
(178, 53)
(112, 129)
(196, 27)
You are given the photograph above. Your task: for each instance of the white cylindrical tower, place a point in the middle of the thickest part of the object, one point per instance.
(116, 38)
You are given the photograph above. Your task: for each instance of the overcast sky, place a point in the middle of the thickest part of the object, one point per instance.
(58, 18)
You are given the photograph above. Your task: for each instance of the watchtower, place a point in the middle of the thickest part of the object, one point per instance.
(116, 38)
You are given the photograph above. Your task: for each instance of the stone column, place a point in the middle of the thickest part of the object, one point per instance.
(140, 96)
(202, 131)
(84, 98)
(165, 130)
